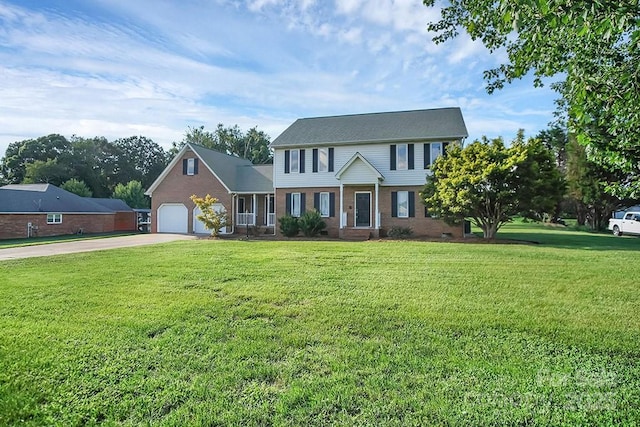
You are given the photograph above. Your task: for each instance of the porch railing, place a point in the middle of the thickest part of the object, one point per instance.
(246, 219)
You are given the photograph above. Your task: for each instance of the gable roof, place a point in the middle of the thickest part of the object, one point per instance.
(237, 175)
(368, 164)
(398, 126)
(43, 198)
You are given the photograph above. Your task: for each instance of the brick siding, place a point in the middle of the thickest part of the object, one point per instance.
(420, 225)
(14, 226)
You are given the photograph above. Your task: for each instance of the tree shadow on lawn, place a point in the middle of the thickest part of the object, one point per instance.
(566, 238)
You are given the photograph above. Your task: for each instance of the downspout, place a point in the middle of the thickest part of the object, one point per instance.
(233, 211)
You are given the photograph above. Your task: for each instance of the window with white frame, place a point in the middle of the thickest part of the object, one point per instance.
(54, 218)
(324, 205)
(323, 159)
(191, 166)
(402, 157)
(295, 204)
(433, 151)
(403, 204)
(294, 160)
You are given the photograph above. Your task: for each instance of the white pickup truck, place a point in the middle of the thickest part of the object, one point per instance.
(629, 224)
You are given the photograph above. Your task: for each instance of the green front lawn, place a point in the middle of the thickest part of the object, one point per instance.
(218, 332)
(34, 241)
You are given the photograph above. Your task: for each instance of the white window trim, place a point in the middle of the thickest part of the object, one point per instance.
(191, 166)
(405, 166)
(54, 218)
(406, 199)
(295, 205)
(328, 204)
(323, 167)
(297, 168)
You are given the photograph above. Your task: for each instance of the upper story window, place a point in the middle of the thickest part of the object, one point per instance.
(190, 166)
(323, 159)
(55, 218)
(401, 156)
(293, 161)
(432, 151)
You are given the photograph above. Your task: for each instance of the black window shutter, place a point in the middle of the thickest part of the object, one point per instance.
(287, 202)
(301, 161)
(410, 154)
(195, 166)
(412, 204)
(394, 204)
(332, 204)
(445, 145)
(184, 166)
(427, 155)
(286, 162)
(316, 201)
(315, 160)
(392, 156)
(302, 202)
(426, 212)
(330, 159)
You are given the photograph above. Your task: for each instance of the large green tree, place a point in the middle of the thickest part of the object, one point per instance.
(94, 161)
(489, 183)
(19, 154)
(252, 145)
(139, 159)
(133, 194)
(77, 187)
(591, 47)
(45, 171)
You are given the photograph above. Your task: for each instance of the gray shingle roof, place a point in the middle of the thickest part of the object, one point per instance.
(239, 175)
(115, 205)
(24, 198)
(441, 123)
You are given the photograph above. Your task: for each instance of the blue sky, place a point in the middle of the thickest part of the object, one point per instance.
(117, 68)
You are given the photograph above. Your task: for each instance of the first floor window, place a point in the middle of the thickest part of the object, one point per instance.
(54, 218)
(324, 204)
(403, 204)
(295, 204)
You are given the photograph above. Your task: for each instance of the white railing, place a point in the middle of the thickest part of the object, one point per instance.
(271, 220)
(246, 219)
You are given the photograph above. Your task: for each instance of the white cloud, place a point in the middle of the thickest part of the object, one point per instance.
(257, 63)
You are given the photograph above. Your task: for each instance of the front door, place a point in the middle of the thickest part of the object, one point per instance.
(363, 209)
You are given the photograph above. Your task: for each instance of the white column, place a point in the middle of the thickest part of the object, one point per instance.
(377, 219)
(341, 205)
(255, 209)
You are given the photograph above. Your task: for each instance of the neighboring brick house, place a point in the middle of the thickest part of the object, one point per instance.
(364, 172)
(30, 210)
(244, 191)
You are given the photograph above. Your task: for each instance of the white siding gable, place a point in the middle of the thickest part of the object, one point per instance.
(376, 154)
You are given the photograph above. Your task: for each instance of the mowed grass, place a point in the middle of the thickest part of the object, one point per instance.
(325, 333)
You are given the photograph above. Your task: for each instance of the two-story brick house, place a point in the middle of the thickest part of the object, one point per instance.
(364, 172)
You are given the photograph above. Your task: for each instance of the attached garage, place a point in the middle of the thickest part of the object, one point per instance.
(173, 218)
(198, 226)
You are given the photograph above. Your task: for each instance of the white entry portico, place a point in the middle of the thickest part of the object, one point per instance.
(359, 172)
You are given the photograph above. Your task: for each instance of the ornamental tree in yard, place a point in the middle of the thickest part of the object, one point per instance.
(214, 220)
(489, 183)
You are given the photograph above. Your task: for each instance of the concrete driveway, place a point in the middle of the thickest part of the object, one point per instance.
(90, 245)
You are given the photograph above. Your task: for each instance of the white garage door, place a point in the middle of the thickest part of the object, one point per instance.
(173, 218)
(198, 226)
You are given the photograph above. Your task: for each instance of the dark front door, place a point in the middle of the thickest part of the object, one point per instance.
(363, 209)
